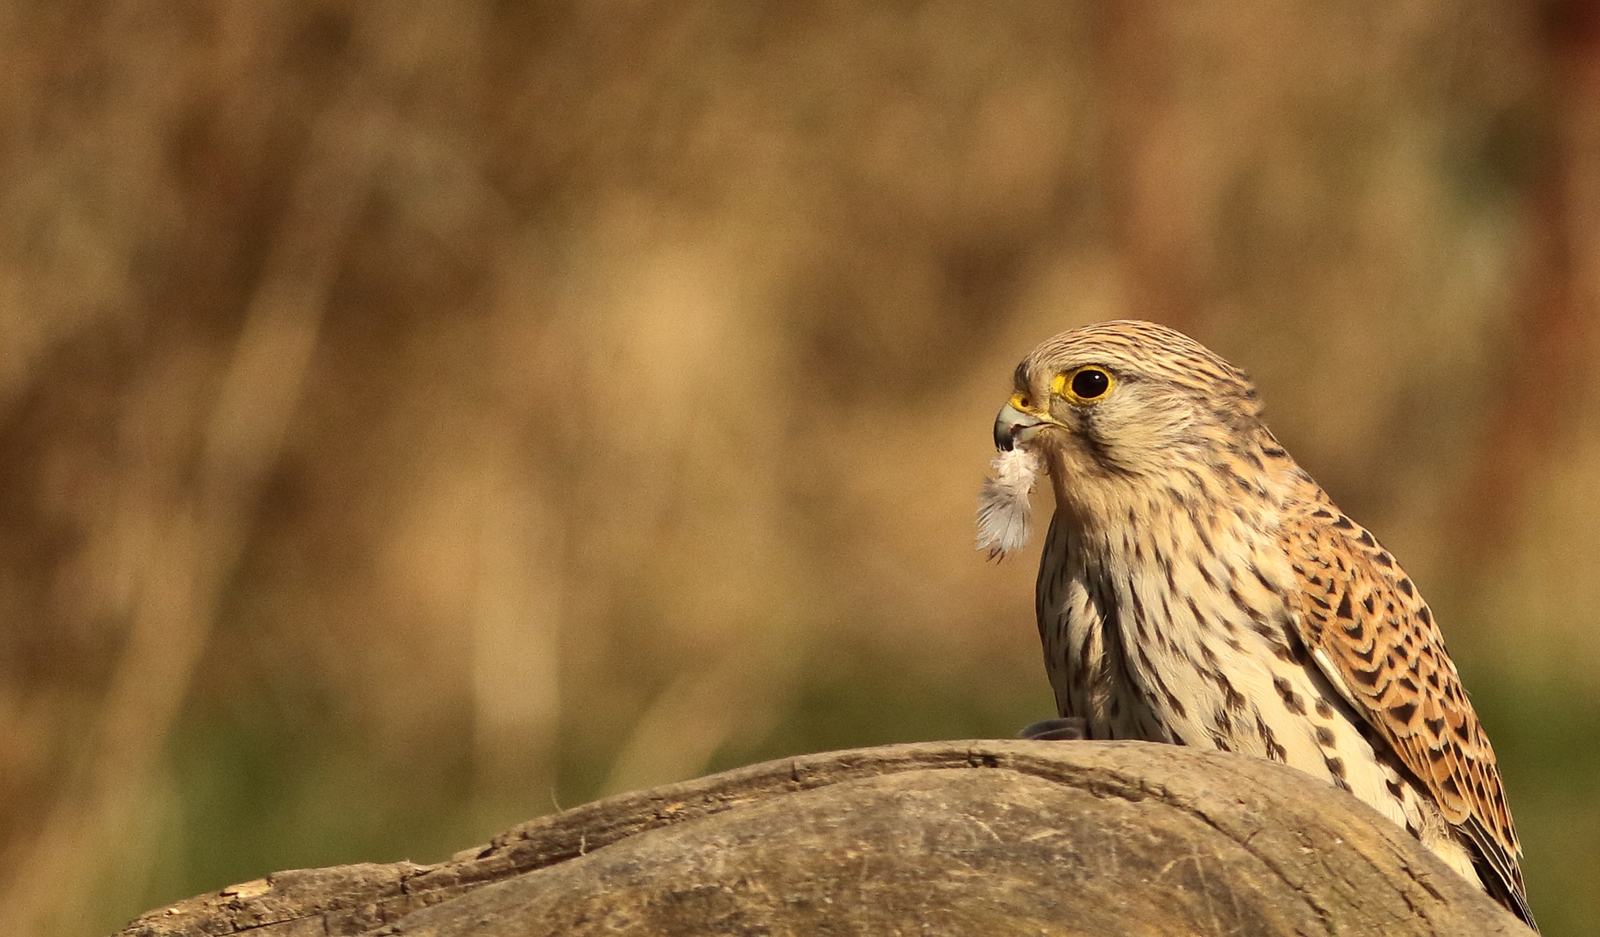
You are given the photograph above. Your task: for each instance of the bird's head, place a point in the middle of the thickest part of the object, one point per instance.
(1127, 402)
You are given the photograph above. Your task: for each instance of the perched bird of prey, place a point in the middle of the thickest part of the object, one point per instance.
(1198, 587)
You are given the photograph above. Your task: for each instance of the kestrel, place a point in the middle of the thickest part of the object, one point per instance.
(1198, 587)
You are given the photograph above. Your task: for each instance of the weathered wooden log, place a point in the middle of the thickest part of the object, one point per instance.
(976, 837)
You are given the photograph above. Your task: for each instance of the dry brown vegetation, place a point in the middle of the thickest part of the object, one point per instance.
(416, 415)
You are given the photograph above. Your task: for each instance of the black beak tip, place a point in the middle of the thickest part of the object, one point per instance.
(1003, 439)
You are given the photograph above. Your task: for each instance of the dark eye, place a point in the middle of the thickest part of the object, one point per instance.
(1090, 383)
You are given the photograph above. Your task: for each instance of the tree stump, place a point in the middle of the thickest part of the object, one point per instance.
(975, 837)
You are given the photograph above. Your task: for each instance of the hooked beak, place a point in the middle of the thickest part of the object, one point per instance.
(1018, 423)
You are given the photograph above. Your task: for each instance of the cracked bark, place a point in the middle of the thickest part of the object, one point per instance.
(978, 837)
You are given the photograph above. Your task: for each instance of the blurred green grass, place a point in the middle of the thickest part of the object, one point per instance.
(1544, 735)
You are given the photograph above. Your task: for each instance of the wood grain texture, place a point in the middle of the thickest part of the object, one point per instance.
(974, 837)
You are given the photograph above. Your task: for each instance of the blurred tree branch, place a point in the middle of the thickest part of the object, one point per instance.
(191, 547)
(1557, 331)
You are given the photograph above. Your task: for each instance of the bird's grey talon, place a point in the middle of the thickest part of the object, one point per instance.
(1064, 729)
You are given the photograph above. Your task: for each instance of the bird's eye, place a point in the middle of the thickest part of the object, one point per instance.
(1084, 385)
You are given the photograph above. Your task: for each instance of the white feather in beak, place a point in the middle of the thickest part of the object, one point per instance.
(1003, 505)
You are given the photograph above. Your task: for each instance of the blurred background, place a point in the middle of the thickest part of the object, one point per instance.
(417, 418)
